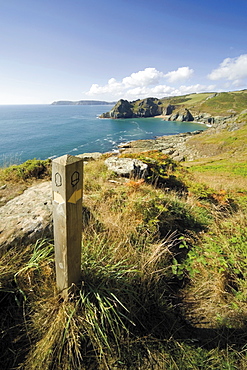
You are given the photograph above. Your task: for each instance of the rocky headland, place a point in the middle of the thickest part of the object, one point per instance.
(152, 107)
(208, 108)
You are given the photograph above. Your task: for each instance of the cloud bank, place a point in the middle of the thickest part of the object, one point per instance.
(151, 82)
(231, 69)
(146, 83)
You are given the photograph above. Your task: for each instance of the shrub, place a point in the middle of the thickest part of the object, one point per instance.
(34, 168)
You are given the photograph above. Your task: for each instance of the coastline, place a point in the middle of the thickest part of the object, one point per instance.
(197, 122)
(173, 145)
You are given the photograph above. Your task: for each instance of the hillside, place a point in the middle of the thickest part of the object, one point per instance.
(164, 277)
(199, 106)
(223, 103)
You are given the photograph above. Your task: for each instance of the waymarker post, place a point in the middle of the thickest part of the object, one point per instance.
(67, 180)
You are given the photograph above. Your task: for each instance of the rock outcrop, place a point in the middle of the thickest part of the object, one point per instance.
(123, 109)
(173, 145)
(183, 116)
(127, 167)
(88, 157)
(27, 217)
(149, 107)
(168, 110)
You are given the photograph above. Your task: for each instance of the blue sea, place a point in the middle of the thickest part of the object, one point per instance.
(49, 131)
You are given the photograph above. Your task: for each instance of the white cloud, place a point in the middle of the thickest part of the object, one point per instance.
(147, 83)
(150, 76)
(161, 91)
(138, 80)
(181, 74)
(111, 87)
(231, 69)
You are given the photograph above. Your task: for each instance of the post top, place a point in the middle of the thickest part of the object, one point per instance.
(67, 159)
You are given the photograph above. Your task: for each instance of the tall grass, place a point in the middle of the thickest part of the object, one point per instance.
(106, 312)
(163, 283)
(217, 291)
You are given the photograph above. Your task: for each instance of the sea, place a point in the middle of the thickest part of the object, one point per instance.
(50, 131)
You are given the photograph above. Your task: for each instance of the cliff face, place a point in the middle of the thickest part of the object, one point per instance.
(149, 107)
(210, 108)
(123, 109)
(182, 116)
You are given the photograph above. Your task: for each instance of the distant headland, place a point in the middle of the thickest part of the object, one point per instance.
(82, 102)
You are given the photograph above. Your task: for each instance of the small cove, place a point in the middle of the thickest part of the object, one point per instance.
(48, 131)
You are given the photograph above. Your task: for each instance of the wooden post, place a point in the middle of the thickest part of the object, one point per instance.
(67, 176)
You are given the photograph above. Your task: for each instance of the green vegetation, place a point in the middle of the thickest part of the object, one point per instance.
(164, 269)
(225, 103)
(33, 168)
(16, 178)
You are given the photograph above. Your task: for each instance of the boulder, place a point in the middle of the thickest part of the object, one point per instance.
(90, 156)
(127, 167)
(27, 217)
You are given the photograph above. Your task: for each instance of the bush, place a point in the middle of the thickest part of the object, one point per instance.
(32, 168)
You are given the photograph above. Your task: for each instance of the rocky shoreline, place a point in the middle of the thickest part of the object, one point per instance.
(172, 145)
(177, 146)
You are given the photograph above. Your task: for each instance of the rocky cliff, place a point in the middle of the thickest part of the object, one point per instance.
(122, 109)
(149, 107)
(209, 108)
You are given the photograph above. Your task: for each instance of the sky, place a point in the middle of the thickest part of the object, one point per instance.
(54, 50)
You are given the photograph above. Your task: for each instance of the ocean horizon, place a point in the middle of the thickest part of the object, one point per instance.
(49, 131)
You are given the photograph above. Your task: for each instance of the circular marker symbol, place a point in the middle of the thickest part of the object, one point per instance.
(58, 179)
(75, 178)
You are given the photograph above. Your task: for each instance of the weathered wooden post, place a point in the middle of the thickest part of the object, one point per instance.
(67, 177)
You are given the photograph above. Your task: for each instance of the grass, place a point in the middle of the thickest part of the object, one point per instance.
(16, 178)
(222, 163)
(33, 168)
(163, 282)
(217, 269)
(225, 103)
(216, 104)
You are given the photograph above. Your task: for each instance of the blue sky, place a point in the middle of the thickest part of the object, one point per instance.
(111, 49)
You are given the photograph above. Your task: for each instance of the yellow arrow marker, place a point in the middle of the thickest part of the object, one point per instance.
(75, 196)
(58, 197)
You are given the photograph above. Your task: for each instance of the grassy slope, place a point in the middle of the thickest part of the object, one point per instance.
(211, 103)
(164, 272)
(222, 159)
